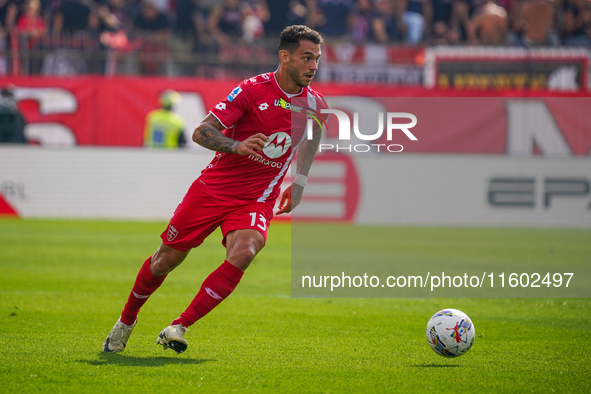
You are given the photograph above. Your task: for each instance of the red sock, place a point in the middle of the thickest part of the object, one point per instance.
(215, 288)
(145, 284)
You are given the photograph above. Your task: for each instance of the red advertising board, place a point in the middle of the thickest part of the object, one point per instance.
(105, 111)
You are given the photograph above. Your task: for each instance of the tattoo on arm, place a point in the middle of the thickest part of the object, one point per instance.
(306, 152)
(211, 138)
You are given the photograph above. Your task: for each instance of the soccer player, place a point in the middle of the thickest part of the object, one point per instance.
(255, 132)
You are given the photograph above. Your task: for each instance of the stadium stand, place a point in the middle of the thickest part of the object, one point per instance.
(236, 38)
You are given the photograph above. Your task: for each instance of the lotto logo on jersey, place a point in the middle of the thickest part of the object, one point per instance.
(277, 145)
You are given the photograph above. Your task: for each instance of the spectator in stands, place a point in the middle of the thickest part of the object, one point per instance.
(12, 121)
(8, 15)
(416, 12)
(238, 19)
(373, 21)
(586, 18)
(460, 22)
(384, 25)
(187, 20)
(587, 22)
(334, 17)
(150, 21)
(299, 12)
(361, 18)
(71, 16)
(441, 21)
(225, 21)
(9, 10)
(286, 13)
(164, 128)
(536, 23)
(31, 28)
(154, 28)
(115, 15)
(577, 22)
(489, 24)
(189, 35)
(30, 23)
(278, 13)
(163, 6)
(256, 14)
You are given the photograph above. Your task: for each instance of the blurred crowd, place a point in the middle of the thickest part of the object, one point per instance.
(185, 28)
(209, 22)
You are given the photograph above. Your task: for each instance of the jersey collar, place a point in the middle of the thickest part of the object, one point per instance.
(288, 95)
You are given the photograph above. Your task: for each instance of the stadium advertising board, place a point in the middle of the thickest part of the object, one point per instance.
(97, 111)
(563, 70)
(372, 63)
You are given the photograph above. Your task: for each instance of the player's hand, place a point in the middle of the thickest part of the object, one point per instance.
(290, 198)
(252, 145)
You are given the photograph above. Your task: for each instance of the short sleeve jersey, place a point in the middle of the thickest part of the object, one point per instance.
(257, 105)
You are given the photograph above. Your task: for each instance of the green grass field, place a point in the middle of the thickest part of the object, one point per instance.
(64, 283)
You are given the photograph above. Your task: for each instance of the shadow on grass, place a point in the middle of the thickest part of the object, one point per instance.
(124, 360)
(435, 365)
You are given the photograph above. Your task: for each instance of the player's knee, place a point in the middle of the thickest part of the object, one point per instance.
(162, 262)
(242, 256)
(159, 266)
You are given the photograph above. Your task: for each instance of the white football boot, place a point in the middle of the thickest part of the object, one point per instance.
(172, 337)
(117, 338)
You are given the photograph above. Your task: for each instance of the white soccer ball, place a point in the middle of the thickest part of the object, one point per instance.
(450, 333)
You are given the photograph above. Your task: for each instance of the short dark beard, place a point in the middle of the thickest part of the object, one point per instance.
(295, 76)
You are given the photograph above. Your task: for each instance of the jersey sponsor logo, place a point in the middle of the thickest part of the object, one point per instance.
(234, 93)
(172, 233)
(277, 145)
(267, 162)
(221, 106)
(263, 106)
(304, 110)
(213, 294)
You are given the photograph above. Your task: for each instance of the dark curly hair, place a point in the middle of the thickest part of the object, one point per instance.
(292, 35)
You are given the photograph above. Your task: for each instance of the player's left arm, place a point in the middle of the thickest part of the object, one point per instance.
(292, 196)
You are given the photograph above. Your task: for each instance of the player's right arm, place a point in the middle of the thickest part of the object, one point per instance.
(209, 135)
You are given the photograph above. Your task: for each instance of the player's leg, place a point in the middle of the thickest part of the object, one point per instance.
(242, 246)
(186, 230)
(149, 278)
(244, 237)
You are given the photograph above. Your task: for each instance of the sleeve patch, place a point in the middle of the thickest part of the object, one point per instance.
(234, 93)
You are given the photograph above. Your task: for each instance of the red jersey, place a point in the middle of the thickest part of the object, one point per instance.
(258, 105)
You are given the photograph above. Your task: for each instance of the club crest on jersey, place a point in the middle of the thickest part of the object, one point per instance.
(277, 145)
(234, 93)
(172, 233)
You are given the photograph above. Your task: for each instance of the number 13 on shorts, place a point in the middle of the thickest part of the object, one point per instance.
(261, 219)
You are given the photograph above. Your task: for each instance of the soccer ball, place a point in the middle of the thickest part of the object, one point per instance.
(450, 333)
